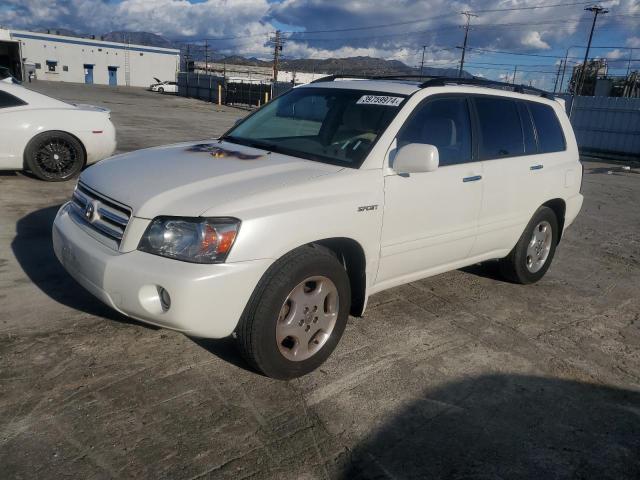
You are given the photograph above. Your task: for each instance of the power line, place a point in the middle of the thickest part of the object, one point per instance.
(395, 24)
(532, 7)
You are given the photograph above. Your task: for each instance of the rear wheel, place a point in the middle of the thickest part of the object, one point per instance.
(54, 156)
(531, 257)
(297, 314)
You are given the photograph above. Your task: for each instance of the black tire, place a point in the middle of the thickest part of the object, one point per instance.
(54, 156)
(161, 90)
(256, 332)
(514, 267)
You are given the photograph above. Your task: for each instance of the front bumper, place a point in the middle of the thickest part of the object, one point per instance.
(206, 300)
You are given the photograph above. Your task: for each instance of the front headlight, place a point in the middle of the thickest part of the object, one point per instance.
(196, 240)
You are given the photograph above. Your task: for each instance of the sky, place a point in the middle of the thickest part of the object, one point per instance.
(505, 35)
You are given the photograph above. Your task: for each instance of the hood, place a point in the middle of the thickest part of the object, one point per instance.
(90, 108)
(188, 179)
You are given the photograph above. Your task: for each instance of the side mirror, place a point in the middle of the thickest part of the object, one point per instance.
(416, 158)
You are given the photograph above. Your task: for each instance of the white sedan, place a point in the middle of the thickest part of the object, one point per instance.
(165, 87)
(52, 139)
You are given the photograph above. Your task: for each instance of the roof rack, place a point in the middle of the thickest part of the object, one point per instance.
(432, 81)
(482, 82)
(331, 78)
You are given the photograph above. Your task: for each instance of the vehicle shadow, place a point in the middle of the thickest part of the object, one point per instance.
(507, 426)
(225, 349)
(33, 249)
(489, 269)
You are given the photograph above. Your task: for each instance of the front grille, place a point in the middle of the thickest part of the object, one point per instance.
(101, 215)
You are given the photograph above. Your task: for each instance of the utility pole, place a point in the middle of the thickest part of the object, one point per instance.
(206, 57)
(597, 10)
(424, 47)
(277, 42)
(555, 85)
(466, 34)
(564, 69)
(515, 70)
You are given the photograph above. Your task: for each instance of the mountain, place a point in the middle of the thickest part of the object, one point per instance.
(362, 66)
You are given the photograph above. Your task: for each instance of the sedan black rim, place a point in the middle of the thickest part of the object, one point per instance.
(56, 158)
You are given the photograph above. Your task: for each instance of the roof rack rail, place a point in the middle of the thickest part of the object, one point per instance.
(443, 81)
(331, 78)
(432, 81)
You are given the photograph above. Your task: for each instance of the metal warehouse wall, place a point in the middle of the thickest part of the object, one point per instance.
(72, 55)
(606, 125)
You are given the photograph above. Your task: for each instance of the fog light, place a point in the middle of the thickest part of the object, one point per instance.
(165, 299)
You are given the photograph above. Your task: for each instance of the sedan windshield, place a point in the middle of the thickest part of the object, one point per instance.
(330, 125)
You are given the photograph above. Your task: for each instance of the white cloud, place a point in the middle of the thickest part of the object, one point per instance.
(533, 39)
(633, 42)
(615, 54)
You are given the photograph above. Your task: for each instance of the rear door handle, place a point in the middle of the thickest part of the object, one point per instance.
(536, 167)
(473, 178)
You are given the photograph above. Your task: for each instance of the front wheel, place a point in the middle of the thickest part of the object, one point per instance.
(54, 156)
(296, 314)
(161, 90)
(531, 257)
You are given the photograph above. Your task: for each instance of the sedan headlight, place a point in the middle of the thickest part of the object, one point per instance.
(196, 240)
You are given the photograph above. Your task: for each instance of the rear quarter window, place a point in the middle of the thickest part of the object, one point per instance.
(550, 135)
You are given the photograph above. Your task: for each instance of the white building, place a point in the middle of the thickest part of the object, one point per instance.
(84, 60)
(254, 74)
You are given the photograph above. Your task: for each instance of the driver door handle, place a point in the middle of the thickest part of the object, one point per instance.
(473, 178)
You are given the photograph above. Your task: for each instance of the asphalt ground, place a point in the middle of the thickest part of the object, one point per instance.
(459, 376)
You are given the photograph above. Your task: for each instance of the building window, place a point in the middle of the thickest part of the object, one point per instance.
(141, 54)
(65, 68)
(38, 66)
(99, 49)
(51, 65)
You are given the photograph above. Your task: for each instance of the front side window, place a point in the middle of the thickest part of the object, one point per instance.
(443, 123)
(500, 128)
(330, 125)
(7, 100)
(550, 136)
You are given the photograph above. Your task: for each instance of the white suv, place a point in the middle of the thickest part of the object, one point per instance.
(339, 189)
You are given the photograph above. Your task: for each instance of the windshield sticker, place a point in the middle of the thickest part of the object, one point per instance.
(218, 152)
(380, 100)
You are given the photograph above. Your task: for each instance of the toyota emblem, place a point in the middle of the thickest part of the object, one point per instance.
(88, 211)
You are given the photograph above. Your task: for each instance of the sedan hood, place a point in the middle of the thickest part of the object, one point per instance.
(91, 108)
(188, 179)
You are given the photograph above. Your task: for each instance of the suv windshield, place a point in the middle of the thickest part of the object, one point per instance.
(330, 125)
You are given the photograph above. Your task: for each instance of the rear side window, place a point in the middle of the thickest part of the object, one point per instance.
(7, 100)
(443, 123)
(500, 128)
(550, 136)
